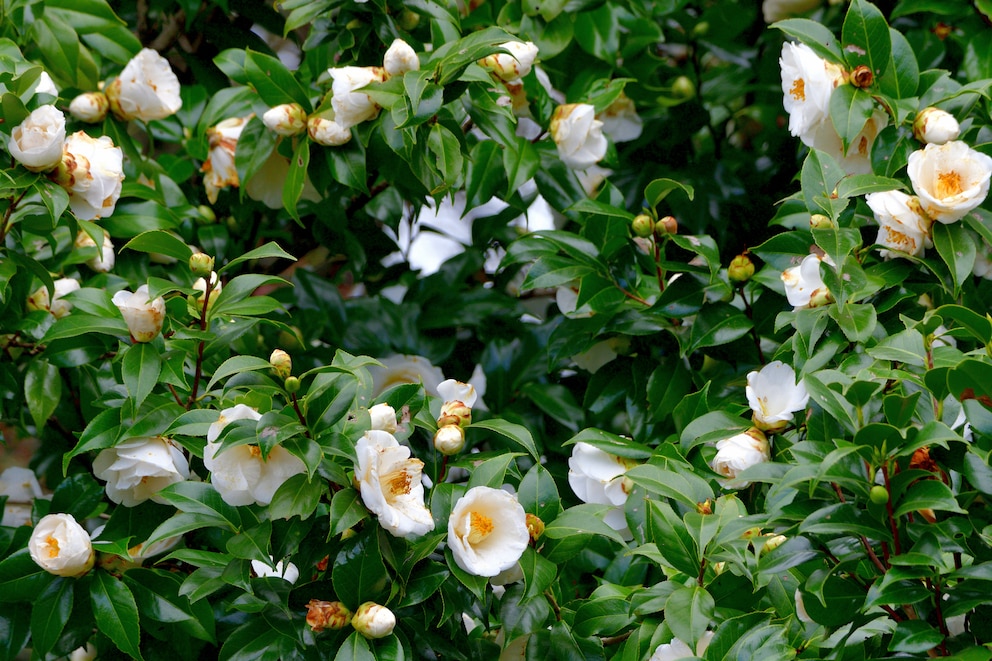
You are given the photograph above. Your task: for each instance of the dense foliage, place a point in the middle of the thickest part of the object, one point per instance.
(575, 329)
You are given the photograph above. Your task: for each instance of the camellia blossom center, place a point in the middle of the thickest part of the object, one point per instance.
(53, 546)
(481, 527)
(948, 184)
(798, 90)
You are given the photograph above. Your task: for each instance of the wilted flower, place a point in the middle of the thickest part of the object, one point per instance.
(739, 452)
(578, 135)
(327, 615)
(92, 172)
(804, 282)
(286, 571)
(105, 259)
(146, 89)
(676, 649)
(950, 179)
(239, 473)
(373, 621)
(143, 315)
(36, 143)
(598, 477)
(327, 132)
(389, 481)
(807, 82)
(219, 171)
(353, 107)
(621, 121)
(774, 395)
(776, 10)
(90, 107)
(935, 126)
(400, 58)
(383, 417)
(287, 119)
(61, 546)
(400, 369)
(902, 225)
(21, 488)
(136, 470)
(487, 531)
(514, 65)
(40, 300)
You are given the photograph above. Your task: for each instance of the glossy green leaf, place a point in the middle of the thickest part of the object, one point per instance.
(866, 37)
(116, 613)
(659, 189)
(42, 390)
(518, 434)
(688, 612)
(358, 572)
(140, 368)
(813, 34)
(50, 614)
(274, 83)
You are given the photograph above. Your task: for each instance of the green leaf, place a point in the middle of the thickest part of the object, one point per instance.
(686, 488)
(856, 320)
(274, 83)
(539, 572)
(612, 443)
(815, 35)
(193, 423)
(915, 637)
(296, 179)
(424, 97)
(862, 184)
(237, 365)
(902, 76)
(451, 60)
(485, 170)
(538, 493)
(831, 401)
(850, 108)
(21, 579)
(521, 162)
(581, 520)
(82, 324)
(716, 324)
(516, 433)
(866, 37)
(658, 190)
(820, 176)
(297, 496)
(928, 494)
(141, 367)
(50, 613)
(161, 242)
(203, 499)
(116, 613)
(42, 390)
(358, 574)
(490, 473)
(354, 648)
(957, 248)
(602, 617)
(347, 509)
(447, 152)
(688, 612)
(980, 327)
(156, 593)
(251, 543)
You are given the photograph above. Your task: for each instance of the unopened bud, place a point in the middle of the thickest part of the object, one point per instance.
(286, 119)
(292, 385)
(383, 417)
(90, 107)
(201, 264)
(772, 542)
(878, 494)
(535, 527)
(667, 225)
(282, 363)
(449, 439)
(862, 77)
(643, 226)
(821, 297)
(820, 222)
(327, 615)
(327, 132)
(935, 126)
(719, 567)
(751, 533)
(741, 269)
(207, 215)
(408, 20)
(373, 621)
(684, 88)
(455, 413)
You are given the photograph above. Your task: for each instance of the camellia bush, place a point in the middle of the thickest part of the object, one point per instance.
(500, 329)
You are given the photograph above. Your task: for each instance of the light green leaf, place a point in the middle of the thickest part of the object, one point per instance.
(161, 242)
(516, 433)
(688, 612)
(140, 368)
(658, 190)
(850, 108)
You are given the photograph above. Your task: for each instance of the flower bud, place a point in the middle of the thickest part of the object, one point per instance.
(90, 107)
(513, 65)
(535, 527)
(772, 542)
(383, 417)
(862, 77)
(751, 533)
(408, 20)
(935, 126)
(292, 385)
(643, 226)
(207, 215)
(455, 413)
(144, 316)
(201, 264)
(683, 88)
(37, 141)
(820, 222)
(741, 269)
(821, 297)
(667, 225)
(373, 621)
(286, 119)
(327, 132)
(719, 567)
(705, 508)
(400, 58)
(327, 615)
(40, 300)
(878, 495)
(200, 285)
(449, 439)
(281, 363)
(61, 546)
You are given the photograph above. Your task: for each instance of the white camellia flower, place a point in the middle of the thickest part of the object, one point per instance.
(902, 225)
(40, 300)
(383, 417)
(389, 481)
(143, 315)
(373, 621)
(219, 171)
(740, 452)
(267, 184)
(935, 126)
(136, 470)
(200, 285)
(286, 119)
(92, 172)
(776, 10)
(146, 89)
(511, 67)
(598, 477)
(807, 82)
(803, 283)
(351, 106)
(45, 85)
(950, 179)
(327, 132)
(677, 649)
(400, 58)
(36, 143)
(456, 391)
(287, 571)
(578, 135)
(400, 369)
(20, 486)
(774, 395)
(857, 159)
(90, 107)
(487, 531)
(105, 259)
(61, 546)
(621, 121)
(239, 473)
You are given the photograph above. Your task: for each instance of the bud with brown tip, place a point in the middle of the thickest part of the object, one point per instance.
(667, 225)
(642, 226)
(373, 621)
(327, 615)
(820, 222)
(862, 77)
(535, 527)
(741, 269)
(90, 107)
(201, 264)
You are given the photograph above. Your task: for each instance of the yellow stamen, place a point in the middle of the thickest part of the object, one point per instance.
(398, 482)
(798, 90)
(948, 184)
(255, 451)
(53, 546)
(482, 527)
